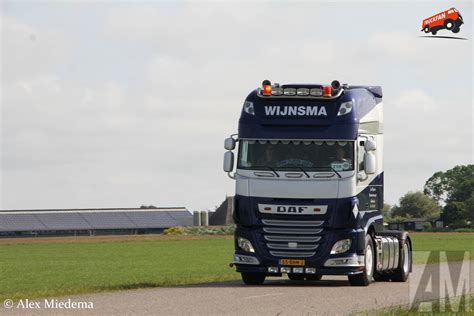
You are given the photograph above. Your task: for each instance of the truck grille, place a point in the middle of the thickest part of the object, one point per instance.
(290, 238)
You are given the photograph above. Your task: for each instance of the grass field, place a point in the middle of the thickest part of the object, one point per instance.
(40, 267)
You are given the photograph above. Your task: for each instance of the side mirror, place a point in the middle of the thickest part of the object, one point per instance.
(229, 143)
(228, 161)
(370, 145)
(370, 165)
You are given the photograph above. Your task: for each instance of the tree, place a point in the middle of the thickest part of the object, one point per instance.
(386, 212)
(455, 189)
(470, 208)
(456, 184)
(416, 205)
(454, 213)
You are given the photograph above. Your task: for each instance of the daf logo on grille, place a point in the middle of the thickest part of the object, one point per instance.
(293, 209)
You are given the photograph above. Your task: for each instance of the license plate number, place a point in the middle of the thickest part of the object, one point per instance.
(292, 262)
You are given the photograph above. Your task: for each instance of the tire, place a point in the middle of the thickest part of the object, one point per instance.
(252, 278)
(314, 277)
(295, 277)
(434, 32)
(365, 278)
(403, 271)
(449, 24)
(455, 30)
(382, 277)
(426, 29)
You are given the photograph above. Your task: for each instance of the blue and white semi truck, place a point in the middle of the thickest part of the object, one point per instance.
(309, 186)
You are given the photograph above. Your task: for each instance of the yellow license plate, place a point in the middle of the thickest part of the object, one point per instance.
(292, 262)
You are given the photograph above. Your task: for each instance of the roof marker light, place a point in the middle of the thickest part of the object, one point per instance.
(266, 87)
(267, 90)
(327, 91)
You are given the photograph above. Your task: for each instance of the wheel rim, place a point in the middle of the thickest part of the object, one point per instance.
(368, 260)
(449, 25)
(406, 258)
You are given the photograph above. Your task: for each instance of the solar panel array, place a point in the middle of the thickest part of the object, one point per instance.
(11, 221)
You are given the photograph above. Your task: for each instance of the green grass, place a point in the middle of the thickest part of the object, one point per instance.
(40, 270)
(31, 269)
(454, 242)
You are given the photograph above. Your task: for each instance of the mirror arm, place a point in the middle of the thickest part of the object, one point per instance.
(230, 175)
(360, 174)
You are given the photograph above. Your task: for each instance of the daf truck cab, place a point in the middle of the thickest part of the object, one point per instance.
(308, 166)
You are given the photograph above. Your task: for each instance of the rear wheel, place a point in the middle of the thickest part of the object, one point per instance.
(365, 278)
(295, 277)
(401, 273)
(252, 278)
(314, 277)
(426, 29)
(434, 32)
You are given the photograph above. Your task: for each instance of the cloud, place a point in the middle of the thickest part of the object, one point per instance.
(28, 51)
(155, 89)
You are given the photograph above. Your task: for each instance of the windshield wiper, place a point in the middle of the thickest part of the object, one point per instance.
(330, 168)
(270, 168)
(338, 174)
(307, 175)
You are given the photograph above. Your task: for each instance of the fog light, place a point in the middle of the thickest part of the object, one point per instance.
(298, 270)
(356, 261)
(310, 270)
(241, 259)
(285, 270)
(273, 269)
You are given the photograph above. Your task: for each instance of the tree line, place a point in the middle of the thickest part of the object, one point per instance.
(447, 196)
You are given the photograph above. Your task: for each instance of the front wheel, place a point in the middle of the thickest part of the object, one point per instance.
(455, 30)
(401, 273)
(365, 278)
(449, 24)
(252, 278)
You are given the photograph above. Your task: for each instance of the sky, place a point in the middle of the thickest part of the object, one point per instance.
(119, 104)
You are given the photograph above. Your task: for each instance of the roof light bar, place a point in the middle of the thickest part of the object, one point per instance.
(302, 91)
(332, 90)
(316, 92)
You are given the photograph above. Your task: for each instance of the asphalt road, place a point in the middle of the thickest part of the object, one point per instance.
(278, 296)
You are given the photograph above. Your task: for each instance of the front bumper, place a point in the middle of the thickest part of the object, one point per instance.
(347, 263)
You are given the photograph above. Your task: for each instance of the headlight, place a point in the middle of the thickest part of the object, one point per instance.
(341, 246)
(248, 108)
(245, 244)
(345, 108)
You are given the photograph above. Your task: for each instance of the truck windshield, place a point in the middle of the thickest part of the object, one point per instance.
(295, 154)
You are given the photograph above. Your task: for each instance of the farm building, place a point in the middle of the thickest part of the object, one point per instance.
(414, 224)
(99, 221)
